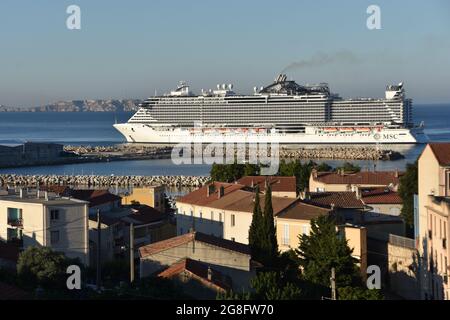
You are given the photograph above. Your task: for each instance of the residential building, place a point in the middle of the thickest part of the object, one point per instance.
(434, 212)
(345, 181)
(224, 210)
(149, 224)
(102, 200)
(198, 279)
(43, 219)
(230, 260)
(295, 221)
(403, 267)
(152, 196)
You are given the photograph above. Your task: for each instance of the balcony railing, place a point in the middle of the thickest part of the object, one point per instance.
(15, 222)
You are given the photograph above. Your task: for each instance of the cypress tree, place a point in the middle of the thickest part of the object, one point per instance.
(270, 233)
(255, 232)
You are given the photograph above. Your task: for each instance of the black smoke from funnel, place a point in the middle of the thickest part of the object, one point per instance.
(321, 59)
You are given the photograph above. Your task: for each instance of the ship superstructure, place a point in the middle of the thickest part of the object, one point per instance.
(283, 112)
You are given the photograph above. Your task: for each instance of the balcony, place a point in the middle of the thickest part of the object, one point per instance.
(16, 222)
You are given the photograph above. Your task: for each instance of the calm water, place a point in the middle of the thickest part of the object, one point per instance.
(96, 129)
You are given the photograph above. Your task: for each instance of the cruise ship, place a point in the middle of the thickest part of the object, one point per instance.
(283, 112)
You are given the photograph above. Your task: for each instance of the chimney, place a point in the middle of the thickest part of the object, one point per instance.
(314, 173)
(221, 192)
(358, 192)
(46, 195)
(210, 189)
(396, 173)
(209, 274)
(21, 193)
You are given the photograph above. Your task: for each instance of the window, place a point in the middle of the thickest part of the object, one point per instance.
(54, 215)
(14, 215)
(285, 239)
(54, 237)
(305, 229)
(233, 220)
(233, 239)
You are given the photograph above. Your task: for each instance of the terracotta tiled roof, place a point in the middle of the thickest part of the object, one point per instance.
(381, 196)
(199, 270)
(340, 200)
(277, 183)
(160, 246)
(441, 152)
(94, 197)
(243, 201)
(59, 190)
(200, 196)
(303, 211)
(381, 178)
(10, 292)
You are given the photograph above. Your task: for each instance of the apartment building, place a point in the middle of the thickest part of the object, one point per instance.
(434, 221)
(43, 219)
(216, 264)
(153, 196)
(224, 210)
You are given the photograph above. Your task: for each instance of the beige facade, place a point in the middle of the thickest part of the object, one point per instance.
(403, 267)
(58, 223)
(434, 213)
(152, 196)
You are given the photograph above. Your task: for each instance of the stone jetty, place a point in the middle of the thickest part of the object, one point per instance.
(341, 153)
(13, 180)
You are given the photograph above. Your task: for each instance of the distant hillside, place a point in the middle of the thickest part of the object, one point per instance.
(81, 106)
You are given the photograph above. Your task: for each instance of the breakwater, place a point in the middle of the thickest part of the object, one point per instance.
(136, 151)
(341, 153)
(13, 180)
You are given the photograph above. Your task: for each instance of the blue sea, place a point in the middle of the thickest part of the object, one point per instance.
(78, 128)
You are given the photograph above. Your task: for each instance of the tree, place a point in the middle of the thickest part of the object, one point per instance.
(324, 249)
(40, 266)
(255, 234)
(273, 286)
(349, 167)
(359, 293)
(269, 232)
(324, 167)
(407, 189)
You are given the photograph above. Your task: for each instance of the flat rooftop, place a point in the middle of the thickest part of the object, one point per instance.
(52, 199)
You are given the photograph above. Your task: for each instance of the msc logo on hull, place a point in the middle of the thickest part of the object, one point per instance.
(385, 136)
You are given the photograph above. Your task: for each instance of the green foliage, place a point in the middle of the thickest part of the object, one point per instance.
(407, 189)
(231, 295)
(115, 271)
(301, 172)
(270, 248)
(256, 231)
(358, 293)
(324, 167)
(323, 249)
(349, 167)
(40, 266)
(228, 172)
(273, 286)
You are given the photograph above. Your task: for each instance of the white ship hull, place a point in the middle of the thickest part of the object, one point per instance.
(144, 133)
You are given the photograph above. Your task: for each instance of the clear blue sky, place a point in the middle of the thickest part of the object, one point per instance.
(129, 49)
